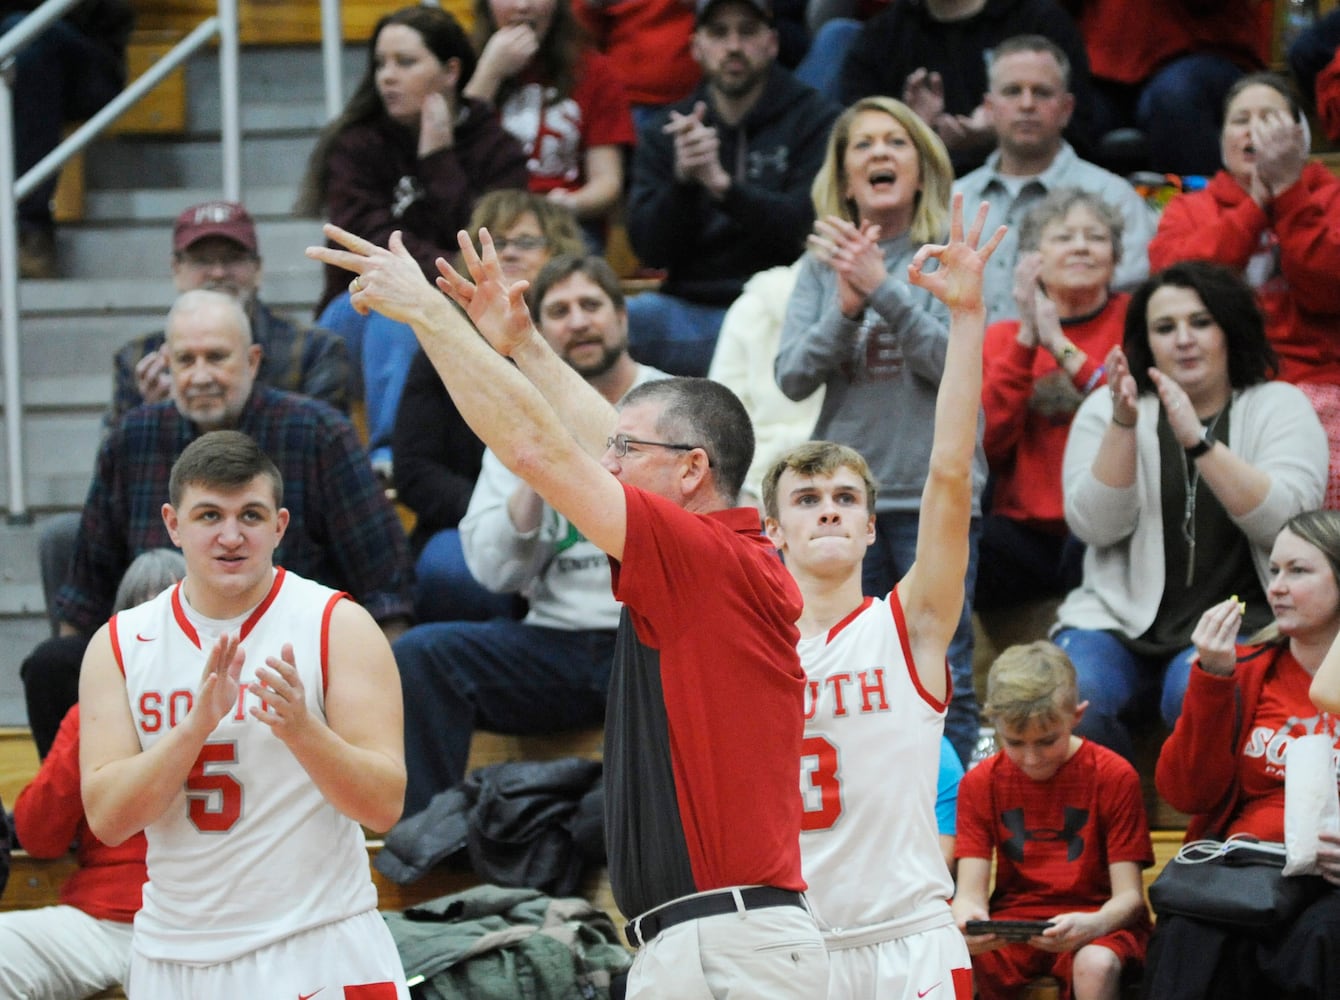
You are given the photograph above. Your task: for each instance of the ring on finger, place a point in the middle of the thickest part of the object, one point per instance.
(357, 284)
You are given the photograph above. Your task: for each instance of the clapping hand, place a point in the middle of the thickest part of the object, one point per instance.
(1121, 383)
(283, 697)
(1281, 152)
(853, 253)
(217, 694)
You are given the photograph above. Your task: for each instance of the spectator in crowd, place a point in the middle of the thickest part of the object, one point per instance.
(1083, 874)
(743, 362)
(1028, 106)
(69, 951)
(720, 183)
(213, 246)
(66, 73)
(251, 725)
(1315, 61)
(343, 531)
(648, 44)
(1274, 218)
(934, 54)
(1164, 68)
(708, 609)
(887, 926)
(438, 456)
(1177, 480)
(549, 672)
(855, 325)
(1039, 369)
(562, 100)
(1225, 764)
(409, 152)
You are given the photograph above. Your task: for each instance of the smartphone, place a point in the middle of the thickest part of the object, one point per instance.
(1010, 930)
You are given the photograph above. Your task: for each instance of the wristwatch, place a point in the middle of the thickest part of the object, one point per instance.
(1202, 446)
(1066, 353)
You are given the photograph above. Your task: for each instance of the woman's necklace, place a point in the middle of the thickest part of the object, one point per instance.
(1192, 482)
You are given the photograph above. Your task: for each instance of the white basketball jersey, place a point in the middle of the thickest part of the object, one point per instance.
(869, 842)
(250, 851)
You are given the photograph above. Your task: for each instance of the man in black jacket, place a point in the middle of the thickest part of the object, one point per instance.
(721, 184)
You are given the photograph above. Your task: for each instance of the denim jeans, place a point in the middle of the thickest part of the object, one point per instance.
(1179, 108)
(384, 349)
(501, 675)
(822, 66)
(886, 562)
(673, 334)
(61, 76)
(1120, 685)
(444, 590)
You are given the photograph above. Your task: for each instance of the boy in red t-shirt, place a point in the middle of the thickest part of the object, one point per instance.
(1066, 819)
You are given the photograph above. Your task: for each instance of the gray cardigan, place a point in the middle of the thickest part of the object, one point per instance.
(889, 418)
(1271, 425)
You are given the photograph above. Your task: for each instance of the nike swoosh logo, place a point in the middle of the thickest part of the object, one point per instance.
(922, 993)
(308, 996)
(150, 638)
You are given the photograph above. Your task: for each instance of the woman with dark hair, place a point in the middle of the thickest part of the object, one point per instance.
(1274, 218)
(408, 153)
(1178, 480)
(560, 98)
(1225, 764)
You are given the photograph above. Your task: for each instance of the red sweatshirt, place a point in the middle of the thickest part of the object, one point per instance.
(1301, 301)
(1024, 446)
(49, 817)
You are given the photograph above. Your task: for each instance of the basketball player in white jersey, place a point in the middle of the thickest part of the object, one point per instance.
(248, 720)
(878, 681)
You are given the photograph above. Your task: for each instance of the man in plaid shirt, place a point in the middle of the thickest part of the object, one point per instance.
(342, 532)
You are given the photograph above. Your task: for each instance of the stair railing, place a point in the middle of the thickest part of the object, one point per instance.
(224, 25)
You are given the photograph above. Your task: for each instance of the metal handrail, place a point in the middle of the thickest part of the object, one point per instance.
(11, 190)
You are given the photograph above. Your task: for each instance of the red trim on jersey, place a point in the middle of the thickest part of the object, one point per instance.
(325, 637)
(833, 632)
(116, 645)
(371, 991)
(900, 622)
(264, 606)
(179, 613)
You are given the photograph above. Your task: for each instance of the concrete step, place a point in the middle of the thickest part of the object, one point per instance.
(105, 251)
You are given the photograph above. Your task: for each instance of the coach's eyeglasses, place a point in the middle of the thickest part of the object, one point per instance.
(523, 243)
(620, 443)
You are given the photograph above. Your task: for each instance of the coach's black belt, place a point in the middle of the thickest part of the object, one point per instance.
(713, 904)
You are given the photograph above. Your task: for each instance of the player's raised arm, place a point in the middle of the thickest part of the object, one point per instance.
(932, 590)
(496, 400)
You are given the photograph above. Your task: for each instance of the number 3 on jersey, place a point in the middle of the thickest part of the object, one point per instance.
(820, 789)
(214, 797)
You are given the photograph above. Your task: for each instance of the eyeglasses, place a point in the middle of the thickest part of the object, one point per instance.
(203, 262)
(620, 443)
(522, 243)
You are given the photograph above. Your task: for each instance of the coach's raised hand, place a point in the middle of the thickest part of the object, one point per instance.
(386, 280)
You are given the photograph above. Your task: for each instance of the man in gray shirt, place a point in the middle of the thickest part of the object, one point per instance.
(1029, 104)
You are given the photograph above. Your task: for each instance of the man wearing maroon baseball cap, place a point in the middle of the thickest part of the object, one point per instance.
(214, 246)
(226, 219)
